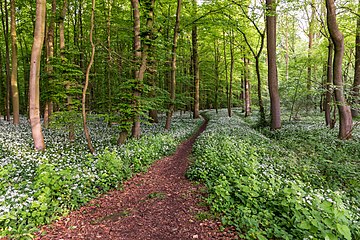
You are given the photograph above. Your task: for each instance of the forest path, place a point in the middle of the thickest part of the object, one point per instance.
(159, 204)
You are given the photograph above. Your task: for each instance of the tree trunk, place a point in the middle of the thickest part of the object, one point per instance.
(356, 85)
(173, 68)
(345, 126)
(232, 62)
(216, 68)
(139, 74)
(5, 25)
(34, 91)
(196, 71)
(49, 55)
(14, 72)
(272, 68)
(311, 35)
(247, 107)
(86, 129)
(329, 82)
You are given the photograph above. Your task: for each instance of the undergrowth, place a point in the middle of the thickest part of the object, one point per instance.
(296, 183)
(38, 187)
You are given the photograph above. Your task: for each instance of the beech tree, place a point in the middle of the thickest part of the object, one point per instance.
(173, 68)
(34, 91)
(345, 126)
(86, 130)
(272, 68)
(14, 67)
(356, 85)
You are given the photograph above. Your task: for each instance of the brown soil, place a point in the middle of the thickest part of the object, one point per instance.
(159, 204)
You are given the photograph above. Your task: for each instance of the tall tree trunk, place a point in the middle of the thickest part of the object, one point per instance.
(226, 75)
(5, 25)
(173, 68)
(346, 123)
(139, 74)
(286, 47)
(14, 64)
(109, 60)
(34, 91)
(2, 105)
(356, 85)
(311, 35)
(49, 55)
(247, 105)
(196, 68)
(217, 60)
(329, 82)
(137, 59)
(272, 68)
(86, 130)
(232, 62)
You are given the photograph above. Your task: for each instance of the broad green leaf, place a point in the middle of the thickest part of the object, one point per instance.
(344, 230)
(305, 225)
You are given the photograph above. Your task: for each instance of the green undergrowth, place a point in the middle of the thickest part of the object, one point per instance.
(39, 187)
(285, 185)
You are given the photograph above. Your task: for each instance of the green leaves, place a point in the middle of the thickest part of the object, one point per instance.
(265, 190)
(344, 230)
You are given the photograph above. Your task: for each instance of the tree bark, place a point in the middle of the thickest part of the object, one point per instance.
(5, 25)
(272, 68)
(86, 129)
(345, 126)
(217, 73)
(14, 65)
(232, 62)
(329, 83)
(196, 71)
(34, 91)
(247, 105)
(173, 68)
(356, 85)
(49, 55)
(311, 35)
(139, 74)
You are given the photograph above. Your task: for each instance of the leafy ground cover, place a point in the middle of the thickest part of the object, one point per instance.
(38, 187)
(296, 183)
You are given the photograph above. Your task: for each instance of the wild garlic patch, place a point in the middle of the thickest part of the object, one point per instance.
(37, 187)
(297, 182)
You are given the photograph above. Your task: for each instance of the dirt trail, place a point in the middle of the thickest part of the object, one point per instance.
(159, 204)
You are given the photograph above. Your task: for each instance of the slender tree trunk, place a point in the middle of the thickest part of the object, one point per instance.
(272, 68)
(196, 113)
(14, 72)
(311, 35)
(34, 92)
(247, 88)
(5, 25)
(139, 74)
(86, 129)
(232, 62)
(346, 123)
(329, 82)
(2, 103)
(286, 48)
(226, 75)
(173, 68)
(49, 55)
(217, 60)
(109, 60)
(356, 85)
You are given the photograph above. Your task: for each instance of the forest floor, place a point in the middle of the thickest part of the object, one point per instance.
(158, 204)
